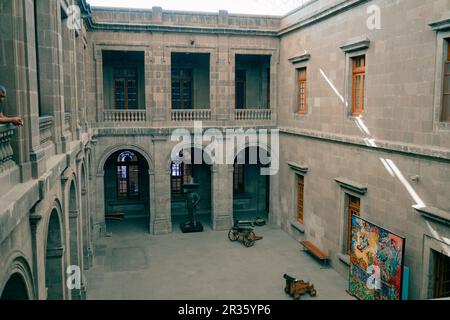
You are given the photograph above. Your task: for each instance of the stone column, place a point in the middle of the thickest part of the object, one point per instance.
(162, 221)
(161, 79)
(18, 73)
(224, 86)
(38, 256)
(148, 83)
(222, 196)
(98, 57)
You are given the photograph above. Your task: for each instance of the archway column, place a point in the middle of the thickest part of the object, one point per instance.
(160, 192)
(99, 227)
(222, 196)
(87, 243)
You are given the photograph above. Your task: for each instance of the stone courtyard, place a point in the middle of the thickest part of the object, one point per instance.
(132, 264)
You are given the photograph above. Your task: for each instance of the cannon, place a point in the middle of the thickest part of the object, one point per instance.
(244, 234)
(295, 288)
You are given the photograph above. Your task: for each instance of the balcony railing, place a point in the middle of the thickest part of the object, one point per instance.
(45, 128)
(124, 115)
(67, 119)
(191, 115)
(253, 114)
(6, 151)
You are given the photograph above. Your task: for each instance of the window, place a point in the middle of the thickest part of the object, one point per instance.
(353, 208)
(239, 178)
(181, 174)
(300, 198)
(445, 115)
(301, 91)
(125, 88)
(358, 80)
(241, 83)
(127, 176)
(181, 88)
(442, 276)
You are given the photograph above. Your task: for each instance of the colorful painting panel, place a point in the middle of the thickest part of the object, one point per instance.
(376, 262)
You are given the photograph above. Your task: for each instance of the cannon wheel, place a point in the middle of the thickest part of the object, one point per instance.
(296, 296)
(248, 242)
(251, 236)
(313, 292)
(233, 235)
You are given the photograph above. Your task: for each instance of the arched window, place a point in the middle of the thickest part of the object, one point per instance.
(127, 176)
(180, 173)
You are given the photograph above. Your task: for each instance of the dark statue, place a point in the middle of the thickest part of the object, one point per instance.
(192, 201)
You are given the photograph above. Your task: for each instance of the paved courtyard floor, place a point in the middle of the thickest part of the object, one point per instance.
(132, 264)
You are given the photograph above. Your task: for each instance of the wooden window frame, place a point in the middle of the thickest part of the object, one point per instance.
(302, 107)
(182, 80)
(127, 164)
(445, 78)
(353, 207)
(125, 80)
(186, 173)
(358, 72)
(442, 262)
(300, 199)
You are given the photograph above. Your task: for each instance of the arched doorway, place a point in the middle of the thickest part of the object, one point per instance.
(251, 189)
(126, 187)
(15, 289)
(54, 267)
(191, 167)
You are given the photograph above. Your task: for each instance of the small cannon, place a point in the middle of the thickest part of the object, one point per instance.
(295, 288)
(245, 234)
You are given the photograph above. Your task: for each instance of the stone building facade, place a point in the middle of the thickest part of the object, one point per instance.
(101, 102)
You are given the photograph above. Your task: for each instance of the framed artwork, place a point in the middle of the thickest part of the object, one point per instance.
(376, 262)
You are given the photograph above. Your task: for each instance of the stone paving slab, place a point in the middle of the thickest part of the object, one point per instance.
(206, 265)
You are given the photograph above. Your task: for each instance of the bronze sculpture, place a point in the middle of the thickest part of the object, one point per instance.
(192, 201)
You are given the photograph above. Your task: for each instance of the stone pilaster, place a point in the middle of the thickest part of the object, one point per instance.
(222, 196)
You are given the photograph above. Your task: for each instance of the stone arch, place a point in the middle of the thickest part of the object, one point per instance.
(54, 256)
(251, 185)
(203, 175)
(168, 160)
(110, 151)
(137, 179)
(19, 281)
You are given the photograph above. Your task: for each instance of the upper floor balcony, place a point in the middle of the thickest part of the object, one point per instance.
(6, 151)
(190, 87)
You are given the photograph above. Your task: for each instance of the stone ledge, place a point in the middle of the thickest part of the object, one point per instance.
(300, 168)
(381, 145)
(356, 45)
(352, 186)
(301, 58)
(441, 25)
(298, 226)
(434, 214)
(321, 15)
